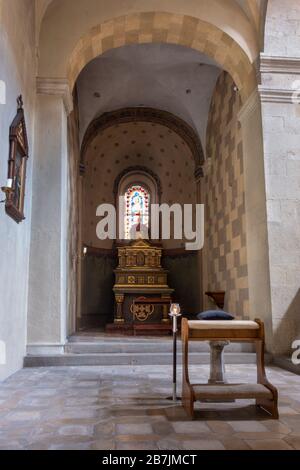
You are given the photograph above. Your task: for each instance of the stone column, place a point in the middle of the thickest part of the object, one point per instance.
(47, 297)
(280, 97)
(256, 214)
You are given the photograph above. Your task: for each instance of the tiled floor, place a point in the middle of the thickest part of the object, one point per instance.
(126, 408)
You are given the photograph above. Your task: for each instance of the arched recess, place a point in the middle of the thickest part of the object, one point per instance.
(165, 118)
(131, 28)
(136, 175)
(162, 27)
(138, 169)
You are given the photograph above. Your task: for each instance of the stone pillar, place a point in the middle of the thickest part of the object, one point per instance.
(280, 97)
(47, 302)
(256, 214)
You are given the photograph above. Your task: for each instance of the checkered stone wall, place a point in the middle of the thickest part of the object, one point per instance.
(224, 197)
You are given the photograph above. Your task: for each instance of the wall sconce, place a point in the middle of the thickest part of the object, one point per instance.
(79, 256)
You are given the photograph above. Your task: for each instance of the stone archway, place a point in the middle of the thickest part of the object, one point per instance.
(138, 28)
(161, 27)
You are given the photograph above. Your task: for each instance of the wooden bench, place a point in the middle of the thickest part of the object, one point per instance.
(263, 391)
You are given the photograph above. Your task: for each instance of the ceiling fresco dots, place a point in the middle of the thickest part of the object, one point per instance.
(135, 144)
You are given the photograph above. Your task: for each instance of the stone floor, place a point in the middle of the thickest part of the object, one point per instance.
(126, 408)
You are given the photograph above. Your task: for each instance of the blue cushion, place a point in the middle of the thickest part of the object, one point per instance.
(215, 315)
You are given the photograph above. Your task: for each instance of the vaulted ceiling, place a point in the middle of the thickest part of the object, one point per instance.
(238, 10)
(255, 11)
(172, 78)
(166, 76)
(250, 7)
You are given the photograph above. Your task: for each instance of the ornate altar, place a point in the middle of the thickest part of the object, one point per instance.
(141, 290)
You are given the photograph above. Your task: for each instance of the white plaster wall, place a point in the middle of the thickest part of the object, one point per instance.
(40, 10)
(17, 70)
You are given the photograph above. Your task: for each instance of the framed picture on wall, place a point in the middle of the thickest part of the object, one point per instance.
(18, 155)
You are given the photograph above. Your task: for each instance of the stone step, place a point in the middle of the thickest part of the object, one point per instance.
(91, 338)
(159, 347)
(108, 359)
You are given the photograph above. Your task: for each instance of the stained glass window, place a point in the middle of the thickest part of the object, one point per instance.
(137, 201)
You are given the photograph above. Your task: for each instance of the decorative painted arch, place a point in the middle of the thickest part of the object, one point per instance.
(138, 169)
(126, 115)
(137, 175)
(162, 27)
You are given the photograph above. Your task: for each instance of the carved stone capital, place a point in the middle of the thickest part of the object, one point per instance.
(56, 86)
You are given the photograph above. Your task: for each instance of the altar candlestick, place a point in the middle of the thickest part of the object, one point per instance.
(175, 314)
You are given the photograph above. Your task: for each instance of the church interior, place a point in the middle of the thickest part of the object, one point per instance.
(123, 106)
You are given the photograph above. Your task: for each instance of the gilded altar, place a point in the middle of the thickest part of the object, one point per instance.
(141, 286)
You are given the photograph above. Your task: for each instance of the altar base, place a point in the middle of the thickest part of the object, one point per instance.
(140, 329)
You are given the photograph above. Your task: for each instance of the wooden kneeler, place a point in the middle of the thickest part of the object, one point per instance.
(263, 391)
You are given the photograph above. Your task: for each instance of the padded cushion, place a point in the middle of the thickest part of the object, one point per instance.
(235, 391)
(215, 315)
(223, 325)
